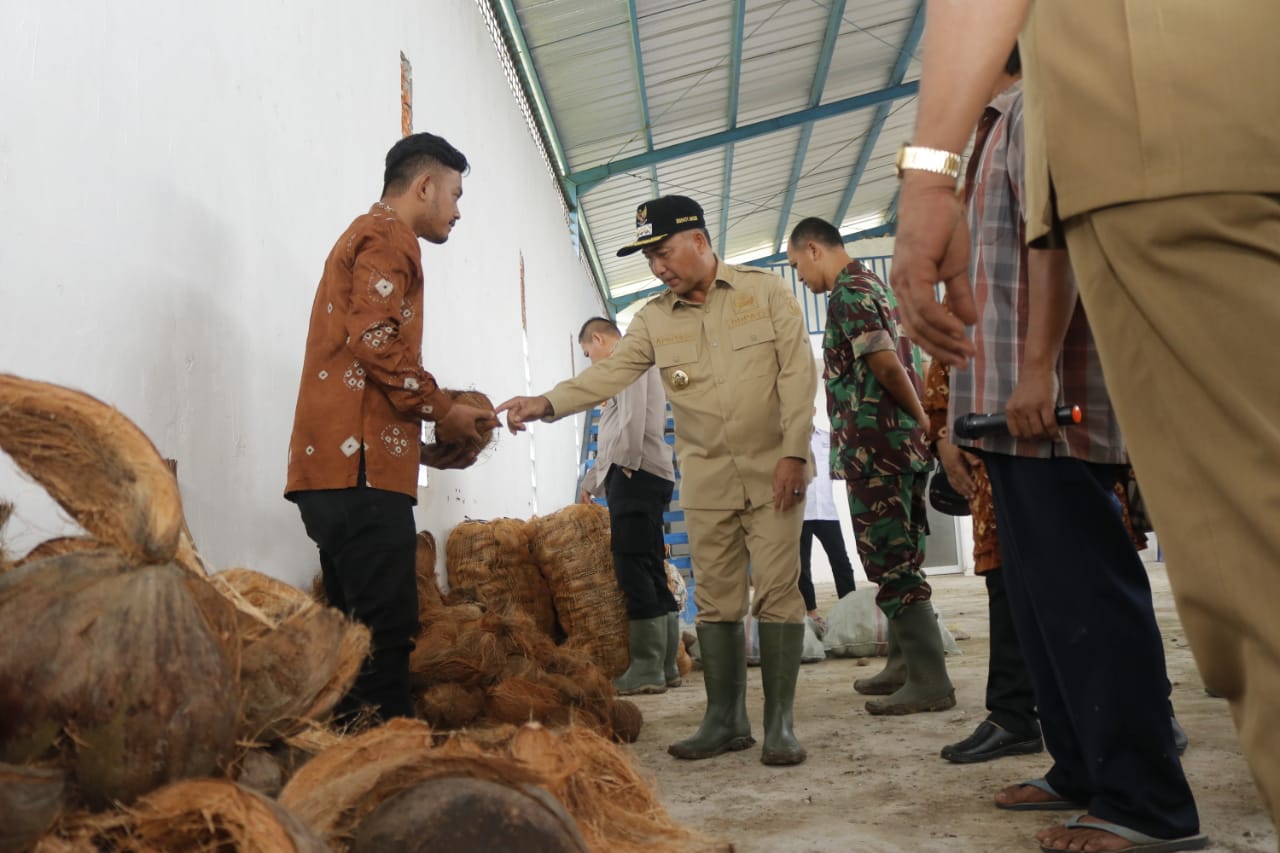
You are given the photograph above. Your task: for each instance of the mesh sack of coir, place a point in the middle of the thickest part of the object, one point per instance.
(572, 549)
(493, 560)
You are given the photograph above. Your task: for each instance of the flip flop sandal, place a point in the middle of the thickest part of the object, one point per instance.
(1140, 841)
(1057, 805)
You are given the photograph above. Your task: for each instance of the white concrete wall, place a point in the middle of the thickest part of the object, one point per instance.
(172, 177)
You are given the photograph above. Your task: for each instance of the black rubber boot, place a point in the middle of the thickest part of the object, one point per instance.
(725, 727)
(928, 687)
(780, 646)
(894, 674)
(648, 651)
(670, 669)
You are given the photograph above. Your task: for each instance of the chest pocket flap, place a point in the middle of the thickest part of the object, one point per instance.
(669, 355)
(752, 333)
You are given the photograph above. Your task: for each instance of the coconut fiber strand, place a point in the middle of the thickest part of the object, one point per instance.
(126, 676)
(95, 463)
(572, 547)
(340, 787)
(298, 658)
(493, 560)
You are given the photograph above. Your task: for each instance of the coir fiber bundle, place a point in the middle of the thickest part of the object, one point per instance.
(298, 658)
(127, 676)
(30, 800)
(518, 700)
(493, 559)
(572, 547)
(95, 463)
(205, 816)
(458, 654)
(339, 788)
(450, 706)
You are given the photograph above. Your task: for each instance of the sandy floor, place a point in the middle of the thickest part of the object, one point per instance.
(877, 784)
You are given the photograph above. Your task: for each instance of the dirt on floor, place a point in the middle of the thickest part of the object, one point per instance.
(877, 783)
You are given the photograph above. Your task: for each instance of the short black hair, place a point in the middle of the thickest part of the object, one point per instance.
(820, 231)
(1013, 65)
(410, 156)
(597, 324)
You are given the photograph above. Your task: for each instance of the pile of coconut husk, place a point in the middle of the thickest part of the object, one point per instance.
(370, 788)
(572, 549)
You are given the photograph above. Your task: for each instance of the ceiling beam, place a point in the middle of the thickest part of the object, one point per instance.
(835, 17)
(735, 73)
(642, 90)
(896, 75)
(585, 179)
(517, 46)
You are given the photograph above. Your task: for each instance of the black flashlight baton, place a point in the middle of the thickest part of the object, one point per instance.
(976, 426)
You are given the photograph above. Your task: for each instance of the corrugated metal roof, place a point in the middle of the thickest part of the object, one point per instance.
(632, 91)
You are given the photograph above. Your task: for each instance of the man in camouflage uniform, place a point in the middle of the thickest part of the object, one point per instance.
(879, 447)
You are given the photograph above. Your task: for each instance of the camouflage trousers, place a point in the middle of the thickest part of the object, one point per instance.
(889, 525)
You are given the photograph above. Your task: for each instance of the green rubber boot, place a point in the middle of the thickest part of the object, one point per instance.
(928, 687)
(894, 674)
(670, 669)
(648, 651)
(780, 647)
(725, 727)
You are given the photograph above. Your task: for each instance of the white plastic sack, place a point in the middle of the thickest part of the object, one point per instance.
(811, 653)
(856, 627)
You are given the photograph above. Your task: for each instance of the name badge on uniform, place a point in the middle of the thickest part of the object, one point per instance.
(679, 380)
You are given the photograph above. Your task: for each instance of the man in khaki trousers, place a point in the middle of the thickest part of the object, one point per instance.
(1157, 122)
(730, 345)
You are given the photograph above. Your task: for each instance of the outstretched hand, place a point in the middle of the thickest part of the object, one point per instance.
(932, 245)
(464, 423)
(520, 410)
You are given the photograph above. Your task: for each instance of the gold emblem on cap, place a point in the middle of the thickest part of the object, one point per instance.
(679, 380)
(642, 214)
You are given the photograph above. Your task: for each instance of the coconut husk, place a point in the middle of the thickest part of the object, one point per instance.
(317, 590)
(341, 786)
(429, 597)
(469, 656)
(60, 545)
(492, 559)
(460, 813)
(188, 557)
(450, 706)
(203, 816)
(6, 513)
(95, 463)
(625, 720)
(518, 700)
(572, 548)
(684, 663)
(31, 799)
(298, 660)
(488, 437)
(127, 676)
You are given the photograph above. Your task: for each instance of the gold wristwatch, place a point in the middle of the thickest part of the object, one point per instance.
(928, 160)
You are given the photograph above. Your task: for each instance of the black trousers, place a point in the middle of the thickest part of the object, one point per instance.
(1011, 701)
(828, 533)
(636, 504)
(1081, 602)
(367, 541)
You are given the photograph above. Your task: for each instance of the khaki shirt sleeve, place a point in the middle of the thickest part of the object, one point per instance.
(605, 379)
(797, 378)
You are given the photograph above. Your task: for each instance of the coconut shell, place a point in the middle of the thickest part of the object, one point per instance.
(460, 813)
(30, 800)
(341, 786)
(450, 706)
(626, 720)
(95, 463)
(128, 676)
(216, 814)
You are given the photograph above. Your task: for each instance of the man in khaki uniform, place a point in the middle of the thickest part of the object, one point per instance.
(1157, 123)
(730, 344)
